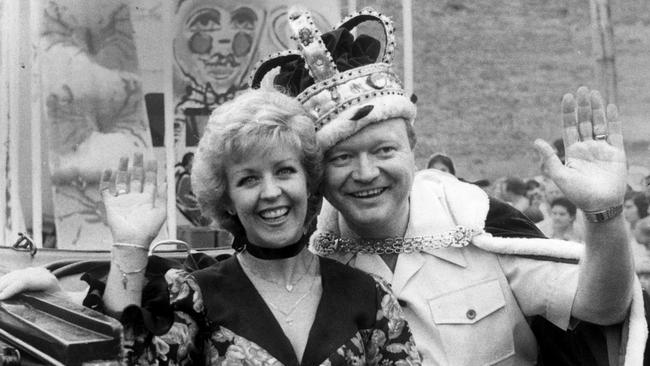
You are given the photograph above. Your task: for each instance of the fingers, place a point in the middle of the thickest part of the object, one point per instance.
(151, 178)
(615, 128)
(584, 113)
(122, 176)
(599, 124)
(105, 184)
(137, 176)
(570, 133)
(551, 162)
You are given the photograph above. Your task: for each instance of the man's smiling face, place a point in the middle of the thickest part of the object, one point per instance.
(368, 178)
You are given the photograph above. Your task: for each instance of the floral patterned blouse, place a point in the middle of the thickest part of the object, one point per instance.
(358, 321)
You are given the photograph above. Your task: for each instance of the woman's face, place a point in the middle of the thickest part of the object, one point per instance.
(561, 217)
(268, 192)
(440, 166)
(630, 211)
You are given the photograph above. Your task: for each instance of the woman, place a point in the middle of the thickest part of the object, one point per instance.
(256, 174)
(561, 223)
(635, 207)
(441, 162)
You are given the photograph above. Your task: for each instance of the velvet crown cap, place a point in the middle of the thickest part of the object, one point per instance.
(342, 81)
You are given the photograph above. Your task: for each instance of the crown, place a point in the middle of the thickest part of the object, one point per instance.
(337, 77)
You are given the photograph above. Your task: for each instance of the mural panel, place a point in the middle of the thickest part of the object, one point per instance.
(93, 109)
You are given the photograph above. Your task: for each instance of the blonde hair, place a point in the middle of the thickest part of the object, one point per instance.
(254, 121)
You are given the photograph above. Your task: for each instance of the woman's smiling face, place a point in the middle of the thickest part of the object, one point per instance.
(268, 192)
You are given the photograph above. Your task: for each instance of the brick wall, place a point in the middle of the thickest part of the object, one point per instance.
(490, 76)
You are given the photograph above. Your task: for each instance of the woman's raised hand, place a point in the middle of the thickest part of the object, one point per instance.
(134, 211)
(593, 176)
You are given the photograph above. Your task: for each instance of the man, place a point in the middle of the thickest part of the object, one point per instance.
(514, 193)
(472, 273)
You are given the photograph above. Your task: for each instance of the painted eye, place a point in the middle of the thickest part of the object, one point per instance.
(200, 43)
(242, 44)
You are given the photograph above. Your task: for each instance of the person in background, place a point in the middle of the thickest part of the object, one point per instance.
(562, 220)
(441, 162)
(186, 202)
(635, 207)
(514, 193)
(641, 249)
(536, 200)
(184, 166)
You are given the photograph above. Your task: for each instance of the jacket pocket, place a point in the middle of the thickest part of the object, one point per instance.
(474, 326)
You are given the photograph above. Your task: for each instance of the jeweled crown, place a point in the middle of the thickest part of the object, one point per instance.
(332, 86)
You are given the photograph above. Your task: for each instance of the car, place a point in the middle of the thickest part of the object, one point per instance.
(38, 328)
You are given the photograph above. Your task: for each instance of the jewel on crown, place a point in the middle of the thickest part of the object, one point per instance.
(332, 91)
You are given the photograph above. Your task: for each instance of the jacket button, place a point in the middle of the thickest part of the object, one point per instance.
(471, 314)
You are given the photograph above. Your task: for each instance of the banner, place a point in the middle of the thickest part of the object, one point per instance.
(93, 109)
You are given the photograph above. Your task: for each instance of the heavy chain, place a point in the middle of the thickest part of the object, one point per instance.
(329, 243)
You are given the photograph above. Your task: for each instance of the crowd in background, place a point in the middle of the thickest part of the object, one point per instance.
(557, 217)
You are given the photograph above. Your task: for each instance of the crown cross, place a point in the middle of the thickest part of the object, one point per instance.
(334, 91)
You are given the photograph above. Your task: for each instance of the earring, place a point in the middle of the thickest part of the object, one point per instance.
(230, 212)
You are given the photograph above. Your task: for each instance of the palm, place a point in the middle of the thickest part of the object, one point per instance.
(594, 175)
(133, 210)
(134, 217)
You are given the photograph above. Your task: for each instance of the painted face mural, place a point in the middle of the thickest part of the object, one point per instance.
(215, 42)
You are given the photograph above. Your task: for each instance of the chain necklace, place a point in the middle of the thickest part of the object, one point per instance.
(328, 243)
(287, 286)
(287, 314)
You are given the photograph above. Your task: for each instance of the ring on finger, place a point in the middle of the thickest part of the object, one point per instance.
(602, 136)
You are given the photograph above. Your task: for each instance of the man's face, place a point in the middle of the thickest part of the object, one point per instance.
(214, 43)
(536, 196)
(368, 178)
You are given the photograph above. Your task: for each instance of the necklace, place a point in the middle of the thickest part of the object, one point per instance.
(327, 243)
(241, 243)
(287, 286)
(287, 314)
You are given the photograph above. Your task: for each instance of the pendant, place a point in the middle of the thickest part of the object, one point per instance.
(124, 280)
(289, 287)
(288, 321)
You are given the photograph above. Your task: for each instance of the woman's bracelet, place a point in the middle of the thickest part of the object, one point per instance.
(128, 245)
(125, 272)
(603, 215)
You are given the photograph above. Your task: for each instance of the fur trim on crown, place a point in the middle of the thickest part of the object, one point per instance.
(384, 107)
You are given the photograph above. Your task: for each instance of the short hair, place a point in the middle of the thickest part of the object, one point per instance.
(254, 121)
(532, 184)
(515, 185)
(640, 201)
(186, 158)
(564, 202)
(442, 159)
